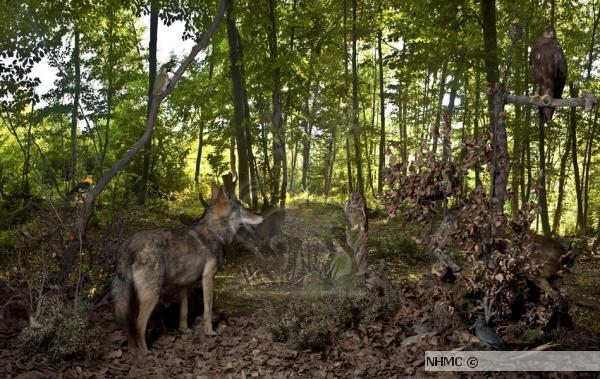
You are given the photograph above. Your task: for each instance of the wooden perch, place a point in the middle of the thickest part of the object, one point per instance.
(587, 101)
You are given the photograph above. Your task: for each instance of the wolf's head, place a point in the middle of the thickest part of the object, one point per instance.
(226, 209)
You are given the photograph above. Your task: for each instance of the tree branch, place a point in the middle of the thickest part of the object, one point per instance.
(91, 196)
(587, 101)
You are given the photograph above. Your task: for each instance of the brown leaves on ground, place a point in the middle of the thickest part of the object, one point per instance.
(244, 349)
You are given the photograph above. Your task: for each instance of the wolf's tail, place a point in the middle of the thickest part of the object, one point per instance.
(123, 294)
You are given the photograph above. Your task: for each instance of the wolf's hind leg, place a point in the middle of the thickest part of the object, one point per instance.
(131, 345)
(183, 309)
(208, 290)
(148, 300)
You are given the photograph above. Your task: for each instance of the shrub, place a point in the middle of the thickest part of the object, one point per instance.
(61, 331)
(308, 322)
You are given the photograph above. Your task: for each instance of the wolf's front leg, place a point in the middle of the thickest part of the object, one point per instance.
(208, 291)
(183, 310)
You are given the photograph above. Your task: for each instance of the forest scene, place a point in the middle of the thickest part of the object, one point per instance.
(293, 188)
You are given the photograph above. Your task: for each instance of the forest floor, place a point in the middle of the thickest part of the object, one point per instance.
(244, 348)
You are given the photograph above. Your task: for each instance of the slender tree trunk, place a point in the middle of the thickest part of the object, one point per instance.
(109, 97)
(435, 130)
(154, 10)
(237, 91)
(248, 132)
(346, 87)
(574, 143)
(592, 43)
(446, 148)
(564, 159)
(294, 163)
(330, 161)
(588, 161)
(355, 126)
(501, 160)
(306, 139)
(542, 199)
(382, 115)
(75, 108)
(367, 150)
(199, 154)
(278, 195)
(477, 105)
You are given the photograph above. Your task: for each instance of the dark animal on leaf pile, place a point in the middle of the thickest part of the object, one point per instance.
(549, 68)
(551, 257)
(179, 257)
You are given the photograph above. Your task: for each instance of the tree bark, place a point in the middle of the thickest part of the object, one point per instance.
(75, 108)
(561, 184)
(154, 10)
(477, 93)
(435, 130)
(382, 115)
(590, 140)
(542, 198)
(279, 163)
(355, 126)
(574, 143)
(237, 92)
(346, 88)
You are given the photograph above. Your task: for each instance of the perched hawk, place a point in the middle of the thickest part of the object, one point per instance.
(549, 68)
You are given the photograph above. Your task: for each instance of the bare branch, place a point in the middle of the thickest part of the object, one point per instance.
(587, 101)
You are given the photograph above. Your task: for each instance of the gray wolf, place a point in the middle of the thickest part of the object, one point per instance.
(152, 258)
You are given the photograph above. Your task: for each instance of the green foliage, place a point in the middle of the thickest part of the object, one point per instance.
(61, 331)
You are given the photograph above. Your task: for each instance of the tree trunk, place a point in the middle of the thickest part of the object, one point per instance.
(477, 93)
(330, 161)
(382, 115)
(542, 199)
(237, 92)
(446, 148)
(109, 97)
(248, 133)
(294, 162)
(435, 129)
(75, 108)
(306, 139)
(279, 164)
(592, 45)
(586, 189)
(355, 126)
(564, 159)
(154, 10)
(199, 154)
(346, 87)
(574, 143)
(501, 162)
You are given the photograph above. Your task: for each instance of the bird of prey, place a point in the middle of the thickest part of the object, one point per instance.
(549, 68)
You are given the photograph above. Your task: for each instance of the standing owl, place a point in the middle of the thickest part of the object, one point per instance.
(355, 211)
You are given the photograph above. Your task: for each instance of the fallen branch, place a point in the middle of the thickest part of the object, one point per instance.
(587, 101)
